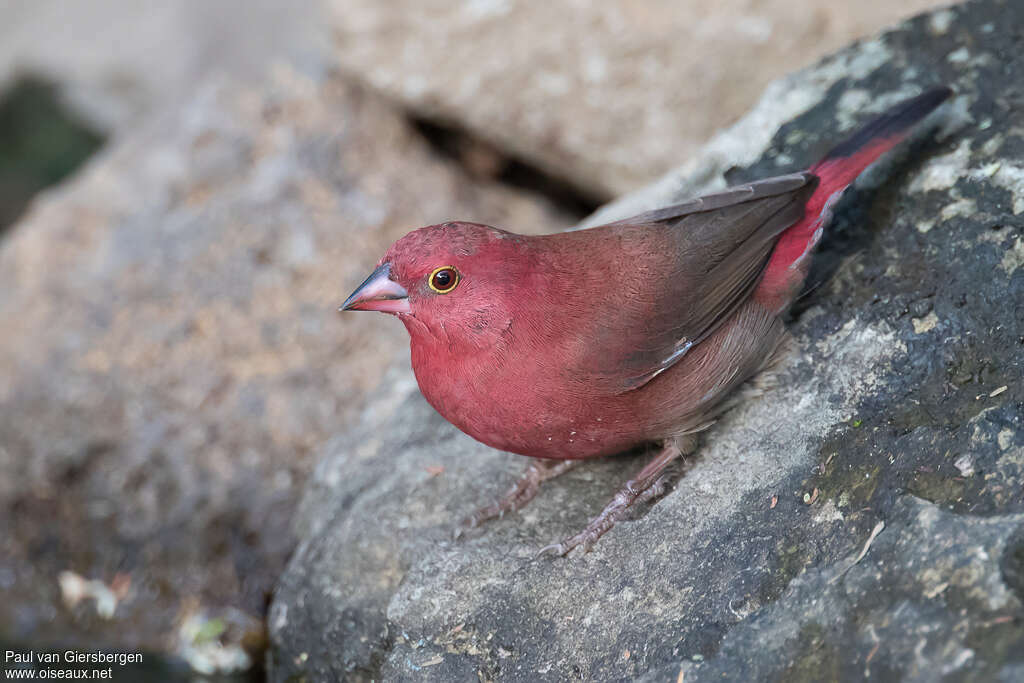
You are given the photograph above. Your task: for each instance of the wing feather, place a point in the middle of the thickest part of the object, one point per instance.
(691, 266)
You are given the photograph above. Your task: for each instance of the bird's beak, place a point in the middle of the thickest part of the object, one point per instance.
(378, 293)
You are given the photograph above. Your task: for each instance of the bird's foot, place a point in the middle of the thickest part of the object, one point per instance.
(521, 493)
(647, 485)
(618, 508)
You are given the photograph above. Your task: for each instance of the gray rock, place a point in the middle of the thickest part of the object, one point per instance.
(827, 527)
(931, 599)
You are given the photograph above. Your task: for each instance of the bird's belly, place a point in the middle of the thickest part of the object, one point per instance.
(511, 414)
(517, 407)
(547, 434)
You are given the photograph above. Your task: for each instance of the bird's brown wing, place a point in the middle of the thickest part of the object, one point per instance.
(684, 270)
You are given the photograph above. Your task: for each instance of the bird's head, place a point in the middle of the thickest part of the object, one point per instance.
(454, 279)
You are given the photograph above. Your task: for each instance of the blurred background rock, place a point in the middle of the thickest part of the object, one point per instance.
(220, 175)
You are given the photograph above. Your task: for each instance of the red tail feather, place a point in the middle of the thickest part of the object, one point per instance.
(789, 261)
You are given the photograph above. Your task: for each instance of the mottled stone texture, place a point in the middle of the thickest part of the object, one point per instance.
(863, 516)
(171, 355)
(610, 94)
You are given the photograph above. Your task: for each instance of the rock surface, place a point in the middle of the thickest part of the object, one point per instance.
(609, 94)
(116, 61)
(863, 517)
(171, 355)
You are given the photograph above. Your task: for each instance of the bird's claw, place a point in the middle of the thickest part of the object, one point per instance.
(588, 537)
(478, 518)
(614, 512)
(521, 493)
(510, 502)
(555, 549)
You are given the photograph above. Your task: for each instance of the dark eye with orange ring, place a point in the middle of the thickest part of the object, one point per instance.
(443, 279)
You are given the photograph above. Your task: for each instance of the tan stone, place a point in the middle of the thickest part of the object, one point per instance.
(608, 94)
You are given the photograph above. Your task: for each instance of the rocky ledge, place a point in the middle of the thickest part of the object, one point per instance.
(863, 517)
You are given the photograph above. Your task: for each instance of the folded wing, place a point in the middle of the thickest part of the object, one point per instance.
(683, 270)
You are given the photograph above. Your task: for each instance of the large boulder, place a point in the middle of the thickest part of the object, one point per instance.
(608, 94)
(862, 517)
(171, 357)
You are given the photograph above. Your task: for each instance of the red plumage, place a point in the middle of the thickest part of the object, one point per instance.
(588, 343)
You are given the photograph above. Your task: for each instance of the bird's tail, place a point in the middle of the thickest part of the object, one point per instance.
(788, 264)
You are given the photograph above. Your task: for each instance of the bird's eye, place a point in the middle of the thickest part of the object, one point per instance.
(443, 279)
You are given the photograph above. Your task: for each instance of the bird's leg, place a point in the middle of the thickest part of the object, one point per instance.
(649, 483)
(522, 492)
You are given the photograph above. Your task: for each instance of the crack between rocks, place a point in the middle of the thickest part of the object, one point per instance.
(483, 160)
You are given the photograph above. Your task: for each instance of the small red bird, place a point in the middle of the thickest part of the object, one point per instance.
(588, 343)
